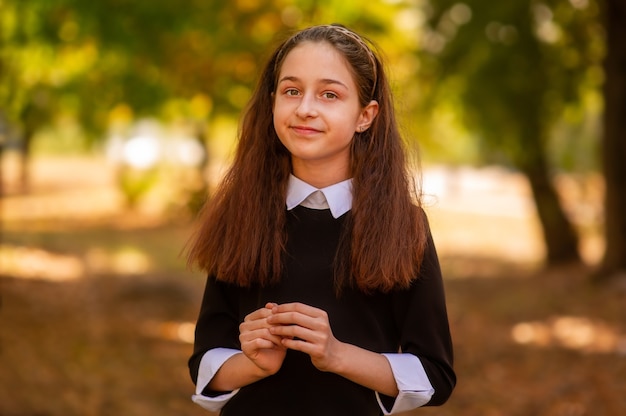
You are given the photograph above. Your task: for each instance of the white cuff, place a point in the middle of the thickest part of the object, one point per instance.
(414, 387)
(211, 361)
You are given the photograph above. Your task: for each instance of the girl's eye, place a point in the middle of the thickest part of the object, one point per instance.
(291, 92)
(329, 95)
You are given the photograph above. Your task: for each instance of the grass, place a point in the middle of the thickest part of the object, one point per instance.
(112, 338)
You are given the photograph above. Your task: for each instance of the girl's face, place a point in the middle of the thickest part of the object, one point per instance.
(317, 112)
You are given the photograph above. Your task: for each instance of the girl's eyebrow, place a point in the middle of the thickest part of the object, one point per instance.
(325, 81)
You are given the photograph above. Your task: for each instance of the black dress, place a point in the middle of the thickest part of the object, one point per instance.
(413, 321)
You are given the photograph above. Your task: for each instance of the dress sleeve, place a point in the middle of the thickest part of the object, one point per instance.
(217, 326)
(414, 388)
(210, 363)
(422, 320)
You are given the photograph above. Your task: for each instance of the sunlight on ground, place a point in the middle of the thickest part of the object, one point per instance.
(490, 213)
(125, 260)
(571, 332)
(73, 204)
(76, 188)
(170, 331)
(486, 213)
(35, 263)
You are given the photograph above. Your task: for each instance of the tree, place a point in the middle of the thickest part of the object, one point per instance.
(614, 144)
(104, 60)
(515, 66)
(107, 62)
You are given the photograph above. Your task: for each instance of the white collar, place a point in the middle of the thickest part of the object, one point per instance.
(337, 197)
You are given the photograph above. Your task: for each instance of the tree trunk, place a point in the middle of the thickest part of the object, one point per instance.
(559, 236)
(614, 141)
(26, 153)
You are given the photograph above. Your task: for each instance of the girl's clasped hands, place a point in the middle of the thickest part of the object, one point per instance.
(268, 332)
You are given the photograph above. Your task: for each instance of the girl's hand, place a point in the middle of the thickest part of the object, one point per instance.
(262, 347)
(307, 329)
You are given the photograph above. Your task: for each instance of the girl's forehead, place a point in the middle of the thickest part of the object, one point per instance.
(312, 55)
(317, 47)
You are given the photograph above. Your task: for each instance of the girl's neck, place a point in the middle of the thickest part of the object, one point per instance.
(320, 176)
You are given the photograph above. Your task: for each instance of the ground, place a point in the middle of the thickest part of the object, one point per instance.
(97, 308)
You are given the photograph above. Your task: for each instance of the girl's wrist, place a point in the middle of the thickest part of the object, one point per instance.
(260, 373)
(337, 363)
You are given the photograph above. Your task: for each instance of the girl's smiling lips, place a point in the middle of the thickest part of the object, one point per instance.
(305, 130)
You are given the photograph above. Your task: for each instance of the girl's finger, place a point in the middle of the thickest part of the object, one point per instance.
(298, 307)
(259, 343)
(293, 332)
(260, 313)
(318, 322)
(261, 334)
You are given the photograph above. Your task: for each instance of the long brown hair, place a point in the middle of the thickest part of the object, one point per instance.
(241, 233)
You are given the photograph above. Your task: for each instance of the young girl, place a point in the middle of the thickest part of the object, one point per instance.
(324, 293)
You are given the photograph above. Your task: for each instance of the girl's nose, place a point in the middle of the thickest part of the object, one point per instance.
(307, 107)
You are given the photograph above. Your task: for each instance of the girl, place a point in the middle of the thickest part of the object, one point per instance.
(324, 294)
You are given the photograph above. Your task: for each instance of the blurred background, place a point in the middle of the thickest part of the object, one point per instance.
(118, 118)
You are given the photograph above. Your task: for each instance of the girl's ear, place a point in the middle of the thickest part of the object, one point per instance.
(368, 114)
